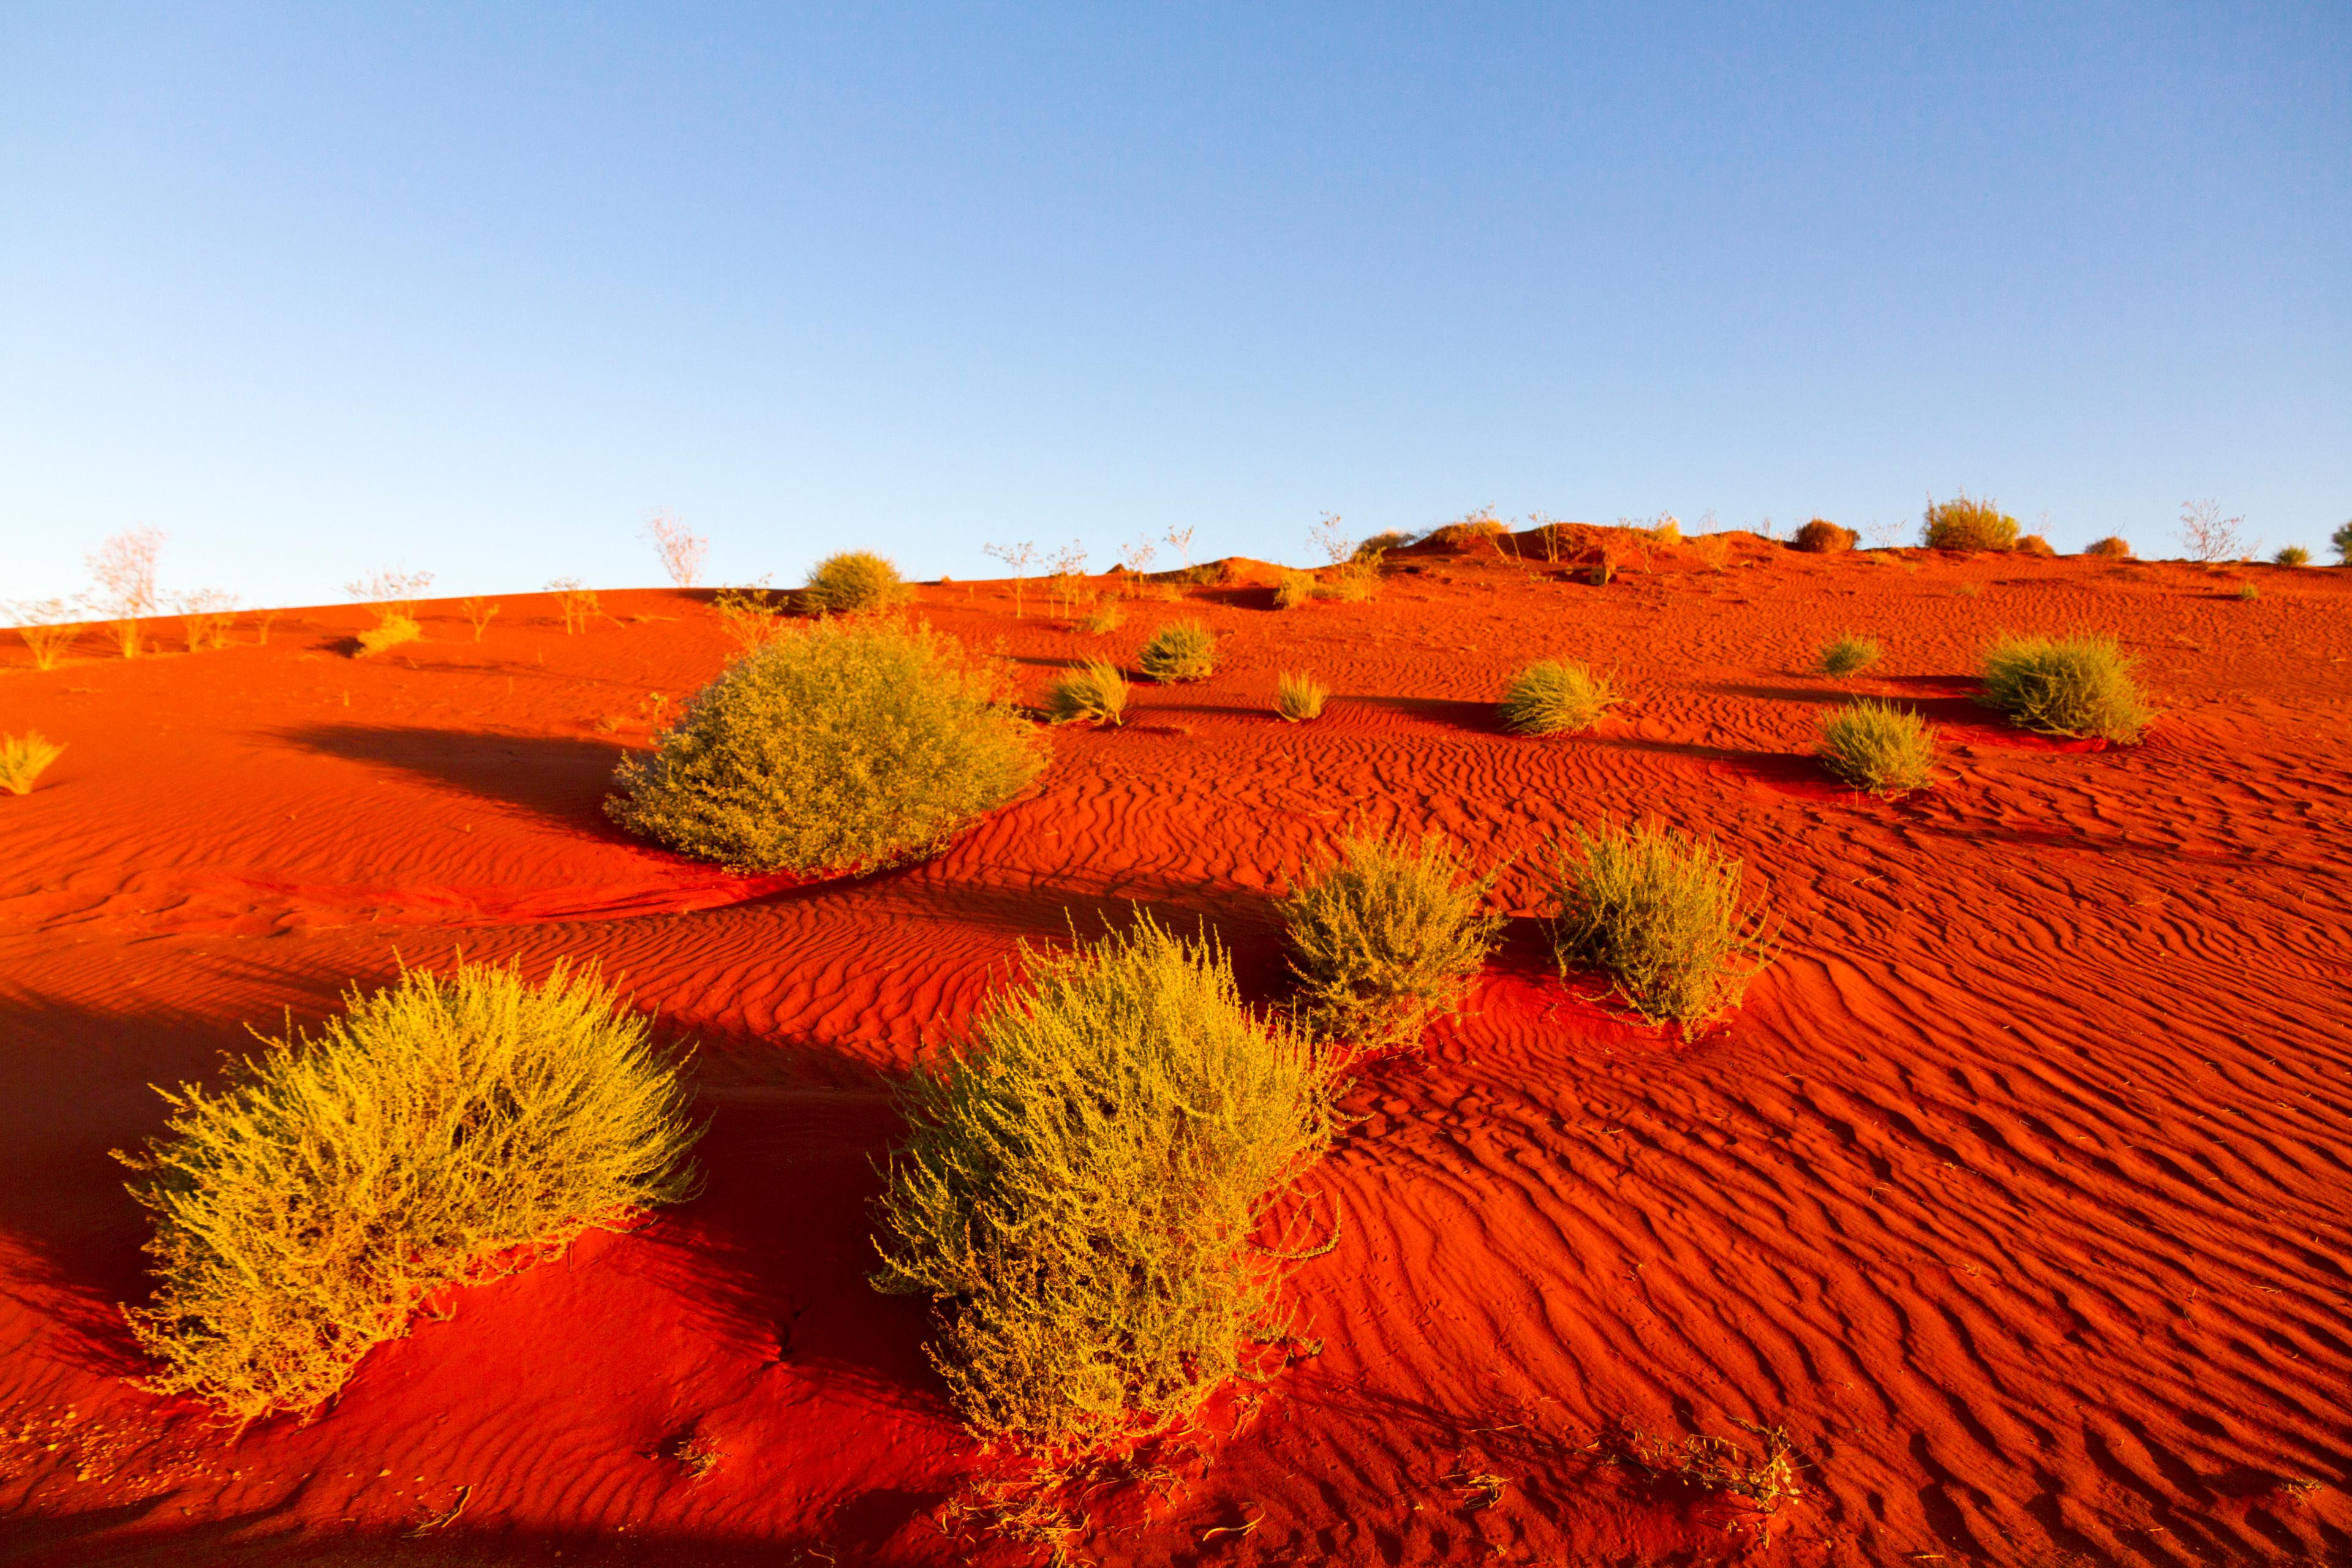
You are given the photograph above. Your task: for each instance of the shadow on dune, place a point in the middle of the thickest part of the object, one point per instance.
(559, 778)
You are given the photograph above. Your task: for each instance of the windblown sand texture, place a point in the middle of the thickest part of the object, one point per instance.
(2017, 1191)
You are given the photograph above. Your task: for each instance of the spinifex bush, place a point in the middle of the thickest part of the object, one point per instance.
(1847, 654)
(1104, 617)
(2293, 555)
(388, 633)
(854, 582)
(1095, 693)
(2112, 546)
(1386, 936)
(1555, 697)
(23, 758)
(2065, 686)
(1294, 589)
(1823, 537)
(1298, 697)
(845, 744)
(1086, 1189)
(1181, 650)
(1662, 916)
(1966, 524)
(440, 1131)
(1878, 747)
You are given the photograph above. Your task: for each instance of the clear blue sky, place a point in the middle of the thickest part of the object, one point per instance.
(318, 289)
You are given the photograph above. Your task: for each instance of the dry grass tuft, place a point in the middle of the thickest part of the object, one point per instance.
(2034, 544)
(1095, 693)
(855, 582)
(2249, 591)
(1662, 915)
(1555, 697)
(1086, 1189)
(2112, 547)
(390, 632)
(440, 1131)
(849, 743)
(751, 617)
(1294, 589)
(1878, 747)
(2065, 686)
(1823, 537)
(1763, 1477)
(1386, 936)
(1181, 650)
(2292, 555)
(46, 634)
(1849, 654)
(1298, 697)
(1966, 524)
(1103, 618)
(26, 757)
(1352, 581)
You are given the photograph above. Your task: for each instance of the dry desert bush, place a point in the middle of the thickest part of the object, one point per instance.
(751, 616)
(1095, 693)
(1966, 524)
(124, 570)
(1878, 747)
(389, 632)
(2034, 544)
(1849, 653)
(1385, 936)
(848, 744)
(2079, 687)
(442, 1131)
(854, 582)
(1105, 617)
(1352, 581)
(1293, 589)
(1557, 697)
(1181, 650)
(23, 758)
(45, 630)
(1763, 1477)
(2112, 547)
(1085, 1188)
(1823, 537)
(1662, 915)
(1298, 696)
(2293, 555)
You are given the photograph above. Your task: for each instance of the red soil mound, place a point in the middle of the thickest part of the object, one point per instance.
(2016, 1191)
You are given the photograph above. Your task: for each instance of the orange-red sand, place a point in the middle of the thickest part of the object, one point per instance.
(2017, 1191)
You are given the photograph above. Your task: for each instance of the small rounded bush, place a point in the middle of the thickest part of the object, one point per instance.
(1096, 691)
(2113, 547)
(2074, 686)
(1386, 937)
(1878, 747)
(2034, 544)
(1555, 697)
(1104, 617)
(854, 582)
(1662, 915)
(388, 633)
(843, 744)
(1294, 589)
(1298, 697)
(1181, 650)
(440, 1131)
(1084, 1186)
(1847, 654)
(1823, 537)
(1965, 524)
(2293, 555)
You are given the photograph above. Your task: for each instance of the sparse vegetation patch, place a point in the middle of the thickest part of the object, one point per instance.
(1386, 936)
(1085, 1190)
(439, 1131)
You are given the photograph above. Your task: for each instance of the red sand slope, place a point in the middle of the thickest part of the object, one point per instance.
(2017, 1193)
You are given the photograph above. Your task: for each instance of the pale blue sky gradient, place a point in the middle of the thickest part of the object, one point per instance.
(321, 289)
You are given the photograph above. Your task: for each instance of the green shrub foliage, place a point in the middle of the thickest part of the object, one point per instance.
(1086, 1189)
(1181, 650)
(2065, 686)
(1878, 747)
(1386, 936)
(1966, 524)
(854, 583)
(1662, 915)
(845, 744)
(1095, 693)
(440, 1131)
(1848, 654)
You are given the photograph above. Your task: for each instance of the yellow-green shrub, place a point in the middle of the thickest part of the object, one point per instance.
(1293, 589)
(442, 1131)
(1085, 1185)
(854, 582)
(389, 632)
(2293, 555)
(1555, 697)
(23, 758)
(1386, 936)
(1181, 650)
(1662, 916)
(1298, 697)
(1848, 653)
(1878, 747)
(1095, 691)
(1966, 524)
(845, 743)
(1105, 617)
(2065, 686)
(2112, 547)
(1823, 537)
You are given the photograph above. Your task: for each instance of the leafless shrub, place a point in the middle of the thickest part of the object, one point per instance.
(2209, 536)
(124, 569)
(680, 548)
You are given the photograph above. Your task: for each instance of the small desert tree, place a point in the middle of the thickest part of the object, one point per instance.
(2206, 535)
(680, 548)
(1018, 559)
(1087, 1186)
(124, 570)
(850, 743)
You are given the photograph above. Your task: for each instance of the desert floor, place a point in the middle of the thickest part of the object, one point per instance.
(2016, 1191)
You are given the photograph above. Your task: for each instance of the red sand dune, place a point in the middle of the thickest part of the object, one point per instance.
(2016, 1191)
